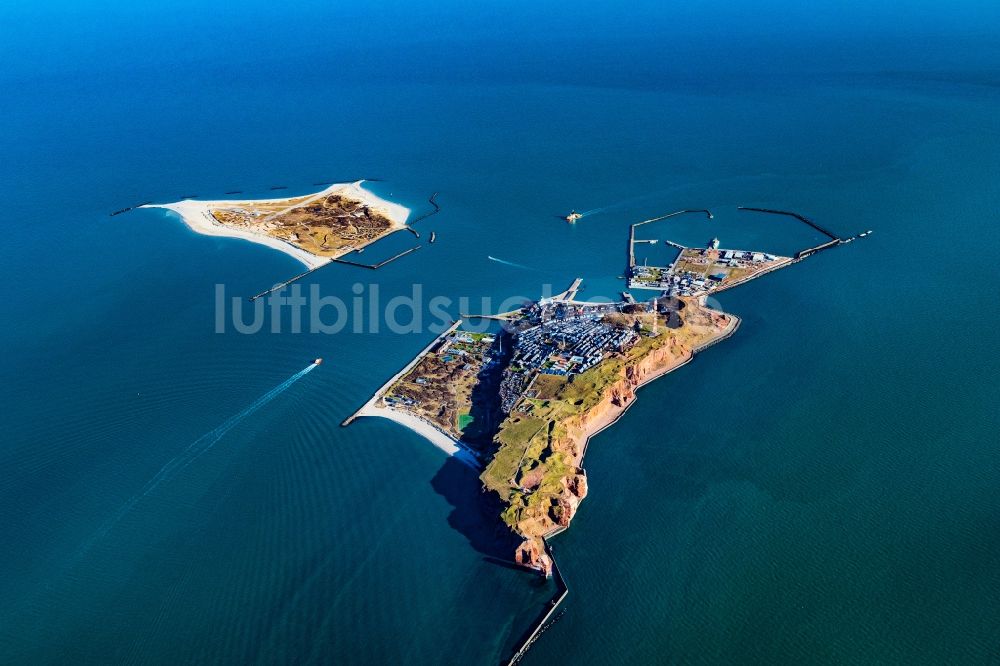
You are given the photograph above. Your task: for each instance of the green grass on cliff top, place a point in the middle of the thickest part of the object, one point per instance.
(523, 438)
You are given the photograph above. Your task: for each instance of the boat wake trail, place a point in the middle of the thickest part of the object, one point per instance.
(194, 451)
(620, 204)
(509, 263)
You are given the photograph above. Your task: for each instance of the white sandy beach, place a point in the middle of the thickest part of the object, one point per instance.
(414, 423)
(198, 217)
(426, 429)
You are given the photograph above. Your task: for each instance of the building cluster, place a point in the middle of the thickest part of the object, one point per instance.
(567, 346)
(736, 258)
(463, 345)
(511, 386)
(392, 401)
(675, 282)
(655, 277)
(550, 309)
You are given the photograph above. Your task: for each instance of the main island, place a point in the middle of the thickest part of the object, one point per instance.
(522, 402)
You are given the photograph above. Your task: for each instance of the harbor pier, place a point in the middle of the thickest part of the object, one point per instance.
(542, 623)
(802, 254)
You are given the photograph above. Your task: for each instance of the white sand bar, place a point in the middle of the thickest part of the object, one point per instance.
(197, 215)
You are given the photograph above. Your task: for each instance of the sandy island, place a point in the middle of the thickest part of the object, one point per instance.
(197, 215)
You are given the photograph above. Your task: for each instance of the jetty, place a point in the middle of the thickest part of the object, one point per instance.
(337, 260)
(567, 297)
(569, 294)
(437, 209)
(800, 218)
(707, 213)
(802, 254)
(282, 285)
(503, 316)
(809, 251)
(631, 230)
(380, 264)
(631, 246)
(127, 209)
(397, 256)
(542, 623)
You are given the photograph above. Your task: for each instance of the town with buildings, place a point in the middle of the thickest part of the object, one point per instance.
(567, 346)
(552, 336)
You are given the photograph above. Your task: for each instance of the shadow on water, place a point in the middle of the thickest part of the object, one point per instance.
(486, 412)
(475, 513)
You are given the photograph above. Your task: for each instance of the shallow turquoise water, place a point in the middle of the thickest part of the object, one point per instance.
(820, 488)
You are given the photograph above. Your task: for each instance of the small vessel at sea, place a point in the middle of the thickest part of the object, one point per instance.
(433, 236)
(318, 361)
(573, 216)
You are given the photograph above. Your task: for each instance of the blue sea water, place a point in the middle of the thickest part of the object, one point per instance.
(818, 489)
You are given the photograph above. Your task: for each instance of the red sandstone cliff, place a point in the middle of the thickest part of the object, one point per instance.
(578, 429)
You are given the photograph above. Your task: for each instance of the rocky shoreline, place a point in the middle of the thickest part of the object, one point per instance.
(615, 400)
